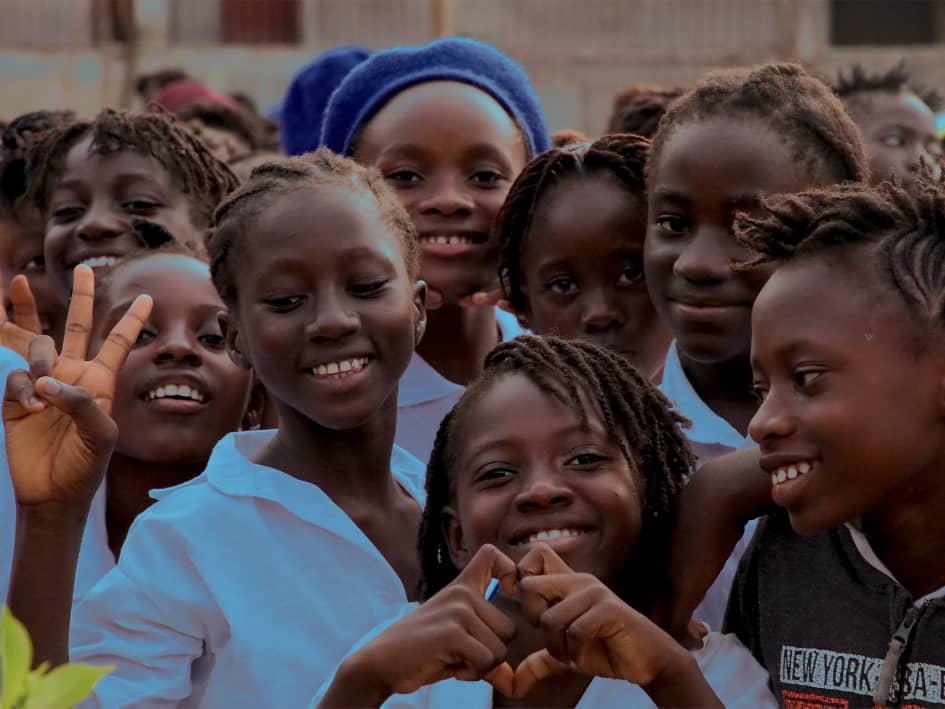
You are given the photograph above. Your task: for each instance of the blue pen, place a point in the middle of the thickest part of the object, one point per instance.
(491, 589)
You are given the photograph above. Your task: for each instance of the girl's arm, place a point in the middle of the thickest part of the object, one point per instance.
(457, 633)
(59, 440)
(714, 507)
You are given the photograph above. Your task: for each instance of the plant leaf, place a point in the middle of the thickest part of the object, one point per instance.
(65, 686)
(16, 655)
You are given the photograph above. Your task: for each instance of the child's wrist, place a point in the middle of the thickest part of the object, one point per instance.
(54, 515)
(358, 682)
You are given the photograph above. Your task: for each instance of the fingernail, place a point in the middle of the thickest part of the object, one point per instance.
(33, 401)
(50, 386)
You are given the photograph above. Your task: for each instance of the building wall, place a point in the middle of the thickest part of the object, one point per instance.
(578, 54)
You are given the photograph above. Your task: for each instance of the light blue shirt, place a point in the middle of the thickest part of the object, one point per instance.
(425, 396)
(735, 676)
(710, 437)
(243, 587)
(9, 360)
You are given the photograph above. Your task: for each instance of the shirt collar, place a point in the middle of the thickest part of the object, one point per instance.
(707, 426)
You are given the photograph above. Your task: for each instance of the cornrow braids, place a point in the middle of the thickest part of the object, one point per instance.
(637, 416)
(793, 104)
(622, 157)
(154, 134)
(233, 218)
(639, 108)
(895, 80)
(903, 226)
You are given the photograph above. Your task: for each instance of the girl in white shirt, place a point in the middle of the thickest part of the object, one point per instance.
(557, 474)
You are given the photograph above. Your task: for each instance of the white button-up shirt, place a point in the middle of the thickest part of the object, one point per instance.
(243, 587)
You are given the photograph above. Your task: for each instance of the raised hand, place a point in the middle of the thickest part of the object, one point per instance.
(457, 633)
(16, 334)
(588, 628)
(56, 416)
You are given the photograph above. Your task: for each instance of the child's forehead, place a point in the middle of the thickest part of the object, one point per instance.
(890, 105)
(84, 161)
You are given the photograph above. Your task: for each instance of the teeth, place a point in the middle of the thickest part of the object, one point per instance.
(340, 369)
(550, 534)
(100, 261)
(176, 391)
(449, 240)
(790, 472)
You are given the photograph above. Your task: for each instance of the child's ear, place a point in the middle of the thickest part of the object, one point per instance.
(453, 533)
(420, 316)
(234, 343)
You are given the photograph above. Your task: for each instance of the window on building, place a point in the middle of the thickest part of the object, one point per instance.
(886, 22)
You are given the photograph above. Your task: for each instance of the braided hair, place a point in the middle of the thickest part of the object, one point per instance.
(635, 415)
(620, 157)
(234, 217)
(895, 80)
(901, 227)
(154, 134)
(795, 105)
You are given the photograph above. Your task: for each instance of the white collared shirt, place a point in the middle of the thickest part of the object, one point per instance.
(710, 436)
(425, 396)
(734, 675)
(243, 587)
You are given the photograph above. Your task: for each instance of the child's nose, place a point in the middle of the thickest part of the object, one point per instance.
(601, 312)
(332, 320)
(771, 421)
(176, 345)
(447, 197)
(704, 258)
(101, 223)
(542, 490)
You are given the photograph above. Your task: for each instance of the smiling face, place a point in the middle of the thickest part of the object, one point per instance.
(706, 172)
(93, 203)
(328, 315)
(451, 153)
(898, 133)
(525, 472)
(178, 392)
(851, 421)
(582, 267)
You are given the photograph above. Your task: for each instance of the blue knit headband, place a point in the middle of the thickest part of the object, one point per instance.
(386, 73)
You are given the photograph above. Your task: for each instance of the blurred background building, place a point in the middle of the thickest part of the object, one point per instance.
(84, 54)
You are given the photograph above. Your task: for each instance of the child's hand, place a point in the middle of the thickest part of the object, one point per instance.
(587, 627)
(58, 432)
(17, 335)
(457, 633)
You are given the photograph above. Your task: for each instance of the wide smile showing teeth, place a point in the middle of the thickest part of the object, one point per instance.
(549, 535)
(340, 369)
(790, 472)
(176, 391)
(452, 240)
(99, 261)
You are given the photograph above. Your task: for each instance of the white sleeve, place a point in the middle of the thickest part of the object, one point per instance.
(731, 670)
(152, 617)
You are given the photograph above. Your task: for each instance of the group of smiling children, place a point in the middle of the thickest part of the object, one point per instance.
(375, 483)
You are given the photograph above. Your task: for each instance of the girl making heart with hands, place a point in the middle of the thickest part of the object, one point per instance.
(557, 474)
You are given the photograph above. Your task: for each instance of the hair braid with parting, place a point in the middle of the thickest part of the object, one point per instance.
(637, 416)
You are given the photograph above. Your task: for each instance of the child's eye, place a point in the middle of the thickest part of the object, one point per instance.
(403, 177)
(144, 336)
(562, 286)
(672, 224)
(284, 303)
(213, 341)
(494, 474)
(759, 392)
(586, 458)
(35, 264)
(366, 290)
(487, 177)
(141, 206)
(806, 378)
(67, 214)
(893, 140)
(631, 276)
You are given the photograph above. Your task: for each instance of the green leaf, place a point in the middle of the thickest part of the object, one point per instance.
(65, 686)
(16, 655)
